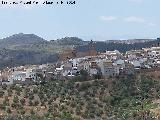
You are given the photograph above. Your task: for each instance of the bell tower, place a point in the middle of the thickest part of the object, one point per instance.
(92, 49)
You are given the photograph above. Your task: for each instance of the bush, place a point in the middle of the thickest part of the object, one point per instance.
(36, 102)
(2, 107)
(8, 110)
(4, 86)
(32, 112)
(22, 112)
(1, 93)
(15, 99)
(22, 101)
(30, 103)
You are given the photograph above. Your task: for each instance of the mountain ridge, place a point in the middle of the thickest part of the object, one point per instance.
(21, 38)
(24, 49)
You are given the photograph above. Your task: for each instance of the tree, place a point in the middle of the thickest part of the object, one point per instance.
(6, 101)
(97, 76)
(22, 111)
(66, 116)
(22, 101)
(50, 109)
(15, 99)
(36, 102)
(10, 92)
(31, 97)
(30, 103)
(4, 86)
(8, 110)
(2, 107)
(35, 90)
(1, 93)
(18, 93)
(14, 105)
(84, 75)
(78, 110)
(32, 112)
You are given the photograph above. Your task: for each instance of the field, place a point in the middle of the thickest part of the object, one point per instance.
(120, 98)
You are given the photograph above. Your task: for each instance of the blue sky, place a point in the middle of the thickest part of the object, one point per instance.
(88, 19)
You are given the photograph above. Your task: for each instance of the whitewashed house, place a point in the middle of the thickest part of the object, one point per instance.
(109, 69)
(120, 63)
(136, 63)
(19, 77)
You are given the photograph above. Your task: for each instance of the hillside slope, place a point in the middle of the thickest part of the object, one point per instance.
(124, 98)
(24, 49)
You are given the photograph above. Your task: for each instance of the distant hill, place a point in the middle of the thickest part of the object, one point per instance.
(31, 42)
(102, 46)
(70, 41)
(22, 39)
(130, 41)
(11, 58)
(21, 49)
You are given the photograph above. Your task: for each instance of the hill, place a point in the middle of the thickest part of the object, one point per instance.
(11, 58)
(123, 98)
(102, 46)
(130, 41)
(20, 39)
(21, 49)
(70, 41)
(24, 49)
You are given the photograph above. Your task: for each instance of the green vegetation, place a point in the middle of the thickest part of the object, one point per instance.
(124, 98)
(22, 49)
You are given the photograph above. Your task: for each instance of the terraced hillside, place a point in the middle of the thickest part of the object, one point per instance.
(123, 98)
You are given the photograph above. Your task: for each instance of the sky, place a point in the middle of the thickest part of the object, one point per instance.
(87, 19)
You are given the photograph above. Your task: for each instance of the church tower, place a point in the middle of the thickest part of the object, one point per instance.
(92, 49)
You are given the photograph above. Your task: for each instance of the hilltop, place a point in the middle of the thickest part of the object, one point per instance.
(21, 49)
(70, 41)
(20, 39)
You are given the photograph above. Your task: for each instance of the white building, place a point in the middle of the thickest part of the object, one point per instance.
(136, 63)
(22, 76)
(108, 69)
